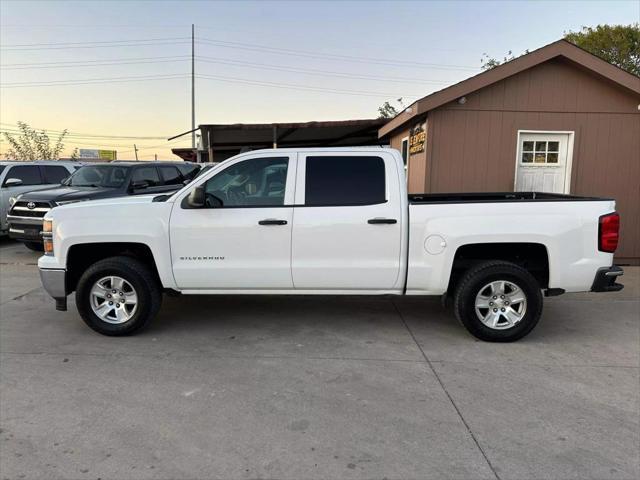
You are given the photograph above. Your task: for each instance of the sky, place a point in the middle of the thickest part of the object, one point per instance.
(115, 73)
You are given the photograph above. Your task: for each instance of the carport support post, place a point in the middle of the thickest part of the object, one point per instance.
(209, 147)
(275, 136)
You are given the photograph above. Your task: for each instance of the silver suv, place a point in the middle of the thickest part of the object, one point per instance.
(21, 177)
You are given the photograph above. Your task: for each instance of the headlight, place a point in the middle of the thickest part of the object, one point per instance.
(47, 236)
(13, 200)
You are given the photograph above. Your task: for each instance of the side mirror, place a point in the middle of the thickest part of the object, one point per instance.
(12, 182)
(140, 185)
(196, 199)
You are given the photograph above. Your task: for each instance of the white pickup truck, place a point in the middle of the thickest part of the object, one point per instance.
(330, 222)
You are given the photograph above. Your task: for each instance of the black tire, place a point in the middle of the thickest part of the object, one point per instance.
(35, 246)
(141, 279)
(472, 283)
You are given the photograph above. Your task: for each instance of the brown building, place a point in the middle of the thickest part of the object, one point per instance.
(558, 119)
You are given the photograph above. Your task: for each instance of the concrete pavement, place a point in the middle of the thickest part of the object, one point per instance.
(316, 387)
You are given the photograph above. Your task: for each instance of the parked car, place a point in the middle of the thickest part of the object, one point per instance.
(20, 177)
(103, 180)
(329, 221)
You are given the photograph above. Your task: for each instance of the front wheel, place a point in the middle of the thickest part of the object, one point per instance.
(118, 296)
(498, 301)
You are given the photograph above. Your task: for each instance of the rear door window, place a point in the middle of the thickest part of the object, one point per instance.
(54, 173)
(171, 176)
(146, 174)
(29, 174)
(344, 180)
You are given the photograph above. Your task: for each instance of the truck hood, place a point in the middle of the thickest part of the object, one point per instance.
(65, 194)
(122, 200)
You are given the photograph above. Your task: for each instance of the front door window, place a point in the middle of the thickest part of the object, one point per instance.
(251, 183)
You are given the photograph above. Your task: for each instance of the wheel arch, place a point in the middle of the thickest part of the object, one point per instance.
(82, 255)
(532, 256)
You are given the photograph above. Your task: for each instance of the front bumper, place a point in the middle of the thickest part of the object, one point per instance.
(25, 229)
(605, 280)
(54, 282)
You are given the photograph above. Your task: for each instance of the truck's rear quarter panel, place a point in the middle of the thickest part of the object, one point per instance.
(567, 229)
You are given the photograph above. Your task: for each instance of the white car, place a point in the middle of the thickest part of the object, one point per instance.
(330, 222)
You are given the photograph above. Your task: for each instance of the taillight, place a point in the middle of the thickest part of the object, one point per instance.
(608, 232)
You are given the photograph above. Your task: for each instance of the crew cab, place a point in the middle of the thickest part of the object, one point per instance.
(92, 182)
(329, 222)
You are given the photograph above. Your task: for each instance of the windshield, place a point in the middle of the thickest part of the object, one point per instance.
(110, 176)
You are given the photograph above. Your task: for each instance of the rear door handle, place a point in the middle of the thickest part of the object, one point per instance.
(272, 221)
(382, 221)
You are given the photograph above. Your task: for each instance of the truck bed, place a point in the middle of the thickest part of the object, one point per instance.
(493, 197)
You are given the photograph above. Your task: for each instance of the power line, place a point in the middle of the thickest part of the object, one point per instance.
(145, 44)
(330, 56)
(72, 142)
(236, 80)
(98, 42)
(300, 87)
(89, 135)
(91, 63)
(314, 71)
(92, 81)
(218, 60)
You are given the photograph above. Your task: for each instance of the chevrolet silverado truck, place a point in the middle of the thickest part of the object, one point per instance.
(328, 222)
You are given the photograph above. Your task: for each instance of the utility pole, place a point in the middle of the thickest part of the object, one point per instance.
(193, 88)
(155, 157)
(135, 149)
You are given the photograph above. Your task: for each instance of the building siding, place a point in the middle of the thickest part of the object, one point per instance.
(473, 147)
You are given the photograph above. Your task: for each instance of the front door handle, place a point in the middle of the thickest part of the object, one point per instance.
(382, 221)
(272, 221)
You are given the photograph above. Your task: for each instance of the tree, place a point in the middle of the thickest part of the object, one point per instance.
(487, 62)
(386, 110)
(30, 144)
(617, 44)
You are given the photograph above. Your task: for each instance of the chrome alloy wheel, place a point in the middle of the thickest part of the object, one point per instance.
(500, 304)
(113, 299)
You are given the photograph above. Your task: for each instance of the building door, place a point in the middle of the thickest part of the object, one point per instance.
(543, 163)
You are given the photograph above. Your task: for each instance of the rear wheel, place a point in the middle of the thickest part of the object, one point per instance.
(35, 246)
(118, 296)
(498, 301)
